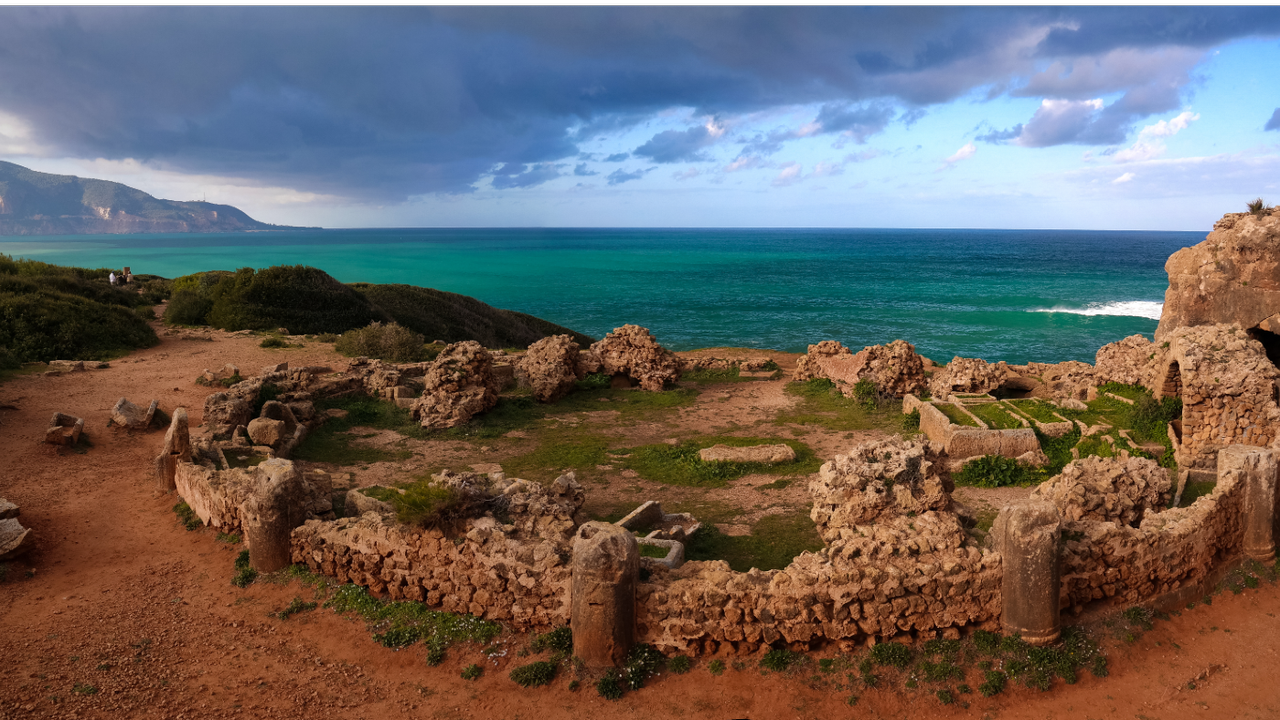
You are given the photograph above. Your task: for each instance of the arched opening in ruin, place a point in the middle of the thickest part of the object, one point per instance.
(1172, 388)
(1015, 387)
(1270, 343)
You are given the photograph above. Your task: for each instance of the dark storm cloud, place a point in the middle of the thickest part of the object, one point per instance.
(385, 103)
(1274, 122)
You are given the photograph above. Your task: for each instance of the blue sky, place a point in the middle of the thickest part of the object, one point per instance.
(1150, 117)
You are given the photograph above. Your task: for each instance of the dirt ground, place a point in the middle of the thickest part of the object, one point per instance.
(118, 612)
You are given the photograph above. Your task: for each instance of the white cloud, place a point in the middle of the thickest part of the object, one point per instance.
(687, 174)
(1148, 146)
(1123, 178)
(790, 174)
(746, 162)
(963, 153)
(15, 137)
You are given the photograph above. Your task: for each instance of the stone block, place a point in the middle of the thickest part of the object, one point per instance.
(770, 454)
(64, 429)
(606, 565)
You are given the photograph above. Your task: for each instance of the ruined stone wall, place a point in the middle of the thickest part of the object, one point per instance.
(1170, 550)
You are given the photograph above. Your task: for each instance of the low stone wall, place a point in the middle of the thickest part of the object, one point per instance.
(965, 442)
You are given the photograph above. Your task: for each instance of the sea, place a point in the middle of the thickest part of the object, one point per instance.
(1013, 295)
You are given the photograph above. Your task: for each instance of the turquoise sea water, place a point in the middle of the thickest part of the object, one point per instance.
(1014, 295)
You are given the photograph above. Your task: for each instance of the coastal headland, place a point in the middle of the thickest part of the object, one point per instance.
(872, 521)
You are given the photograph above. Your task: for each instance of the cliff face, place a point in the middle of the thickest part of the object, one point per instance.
(36, 203)
(1231, 277)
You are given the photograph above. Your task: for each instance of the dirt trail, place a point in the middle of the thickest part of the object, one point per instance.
(117, 597)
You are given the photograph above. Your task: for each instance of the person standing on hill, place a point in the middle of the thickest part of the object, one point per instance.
(112, 277)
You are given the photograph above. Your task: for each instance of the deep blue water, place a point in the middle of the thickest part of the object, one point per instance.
(975, 293)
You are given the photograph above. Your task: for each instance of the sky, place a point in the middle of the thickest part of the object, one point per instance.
(1122, 118)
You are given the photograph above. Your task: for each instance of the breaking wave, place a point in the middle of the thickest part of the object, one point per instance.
(1130, 308)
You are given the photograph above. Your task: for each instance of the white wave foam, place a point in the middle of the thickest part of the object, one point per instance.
(1131, 308)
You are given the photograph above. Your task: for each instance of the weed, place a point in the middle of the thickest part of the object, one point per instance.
(558, 641)
(295, 607)
(642, 663)
(945, 697)
(1258, 208)
(274, 342)
(229, 538)
(534, 674)
(244, 575)
(400, 624)
(84, 689)
(680, 664)
(332, 443)
(911, 422)
(435, 653)
(716, 667)
(891, 653)
(187, 516)
(780, 659)
(991, 471)
(472, 672)
(993, 683)
(610, 686)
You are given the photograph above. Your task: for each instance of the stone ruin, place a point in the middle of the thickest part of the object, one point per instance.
(895, 368)
(1116, 490)
(551, 367)
(458, 385)
(12, 535)
(64, 429)
(632, 356)
(967, 376)
(127, 415)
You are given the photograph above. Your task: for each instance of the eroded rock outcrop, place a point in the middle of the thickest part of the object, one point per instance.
(876, 482)
(631, 352)
(1108, 489)
(1233, 276)
(967, 375)
(550, 367)
(458, 385)
(1064, 381)
(895, 368)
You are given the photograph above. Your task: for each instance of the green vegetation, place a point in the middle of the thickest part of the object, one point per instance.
(535, 674)
(610, 686)
(401, 624)
(1195, 490)
(558, 452)
(681, 464)
(892, 654)
(994, 415)
(780, 660)
(774, 542)
(229, 538)
(298, 605)
(450, 317)
(391, 342)
(558, 641)
(49, 312)
(1130, 392)
(680, 664)
(653, 551)
(472, 672)
(244, 575)
(187, 516)
(716, 667)
(992, 471)
(1036, 410)
(1258, 208)
(823, 405)
(332, 442)
(956, 415)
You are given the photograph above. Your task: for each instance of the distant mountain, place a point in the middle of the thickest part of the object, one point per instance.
(36, 203)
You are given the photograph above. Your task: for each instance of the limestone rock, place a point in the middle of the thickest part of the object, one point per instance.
(1233, 276)
(1129, 361)
(606, 562)
(1108, 489)
(8, 510)
(126, 414)
(64, 429)
(880, 479)
(895, 368)
(458, 385)
(223, 412)
(631, 352)
(358, 504)
(265, 431)
(550, 367)
(1069, 380)
(225, 372)
(12, 537)
(967, 375)
(771, 454)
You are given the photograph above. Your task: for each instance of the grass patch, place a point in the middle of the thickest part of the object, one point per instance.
(298, 605)
(534, 674)
(681, 465)
(472, 672)
(1036, 410)
(229, 538)
(823, 405)
(1131, 392)
(653, 551)
(401, 624)
(780, 660)
(1195, 490)
(187, 516)
(995, 416)
(992, 471)
(332, 441)
(560, 451)
(244, 574)
(956, 415)
(244, 460)
(520, 412)
(774, 542)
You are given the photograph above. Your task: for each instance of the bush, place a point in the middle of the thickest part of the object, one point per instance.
(1258, 207)
(391, 342)
(430, 506)
(59, 316)
(610, 686)
(187, 307)
(472, 672)
(305, 300)
(274, 342)
(992, 471)
(9, 361)
(680, 664)
(534, 674)
(245, 575)
(892, 653)
(559, 641)
(779, 659)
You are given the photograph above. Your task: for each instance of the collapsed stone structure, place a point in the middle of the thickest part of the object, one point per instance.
(459, 384)
(13, 535)
(895, 368)
(1128, 361)
(967, 375)
(550, 367)
(631, 354)
(1114, 490)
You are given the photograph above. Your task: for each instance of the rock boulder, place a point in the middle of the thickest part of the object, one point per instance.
(631, 352)
(458, 385)
(550, 367)
(895, 368)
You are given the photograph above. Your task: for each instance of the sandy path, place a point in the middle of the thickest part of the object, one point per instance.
(124, 600)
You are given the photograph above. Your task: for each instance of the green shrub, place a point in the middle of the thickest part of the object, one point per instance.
(187, 516)
(391, 342)
(9, 361)
(1258, 207)
(303, 299)
(642, 662)
(187, 307)
(610, 686)
(245, 574)
(993, 683)
(472, 672)
(991, 471)
(780, 659)
(892, 653)
(274, 342)
(534, 674)
(40, 322)
(716, 667)
(559, 641)
(297, 605)
(430, 506)
(435, 654)
(680, 664)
